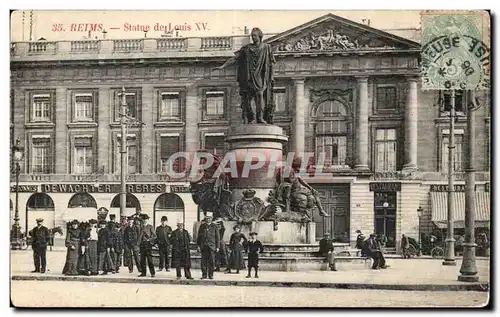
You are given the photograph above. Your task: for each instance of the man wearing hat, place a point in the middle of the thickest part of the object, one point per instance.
(181, 255)
(326, 250)
(104, 245)
(147, 239)
(131, 239)
(163, 233)
(374, 251)
(208, 244)
(221, 257)
(40, 237)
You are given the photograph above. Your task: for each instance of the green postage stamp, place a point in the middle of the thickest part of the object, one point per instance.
(455, 50)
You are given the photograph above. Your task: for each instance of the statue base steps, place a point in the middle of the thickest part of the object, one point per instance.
(290, 258)
(286, 233)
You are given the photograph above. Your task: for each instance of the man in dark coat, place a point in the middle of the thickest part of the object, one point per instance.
(208, 243)
(326, 250)
(40, 236)
(163, 233)
(117, 234)
(374, 250)
(147, 239)
(104, 245)
(181, 256)
(131, 237)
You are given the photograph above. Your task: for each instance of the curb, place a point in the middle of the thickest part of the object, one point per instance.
(477, 287)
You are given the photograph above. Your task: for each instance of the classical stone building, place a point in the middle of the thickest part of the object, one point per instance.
(342, 88)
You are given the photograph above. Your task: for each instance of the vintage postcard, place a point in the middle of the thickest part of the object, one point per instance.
(295, 158)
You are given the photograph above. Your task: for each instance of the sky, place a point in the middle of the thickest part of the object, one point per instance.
(57, 25)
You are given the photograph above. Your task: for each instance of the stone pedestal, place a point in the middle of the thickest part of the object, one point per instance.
(257, 149)
(287, 233)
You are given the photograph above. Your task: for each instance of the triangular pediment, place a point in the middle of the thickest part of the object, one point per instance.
(331, 33)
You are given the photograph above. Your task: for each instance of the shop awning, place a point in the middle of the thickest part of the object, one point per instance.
(439, 204)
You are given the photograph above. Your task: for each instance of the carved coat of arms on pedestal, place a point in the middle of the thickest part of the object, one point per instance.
(249, 207)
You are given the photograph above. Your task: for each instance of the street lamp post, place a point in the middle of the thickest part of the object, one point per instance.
(18, 153)
(449, 257)
(468, 268)
(420, 211)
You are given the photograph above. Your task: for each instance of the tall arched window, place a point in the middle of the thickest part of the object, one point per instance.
(82, 200)
(331, 132)
(130, 202)
(170, 205)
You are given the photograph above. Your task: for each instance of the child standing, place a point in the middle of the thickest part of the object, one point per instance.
(253, 248)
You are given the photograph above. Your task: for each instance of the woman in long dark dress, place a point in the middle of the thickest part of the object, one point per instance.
(89, 249)
(73, 239)
(236, 243)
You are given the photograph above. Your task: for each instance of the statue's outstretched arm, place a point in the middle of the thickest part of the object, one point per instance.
(230, 61)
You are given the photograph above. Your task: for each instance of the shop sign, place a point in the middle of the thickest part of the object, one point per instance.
(24, 189)
(385, 187)
(179, 189)
(102, 188)
(458, 188)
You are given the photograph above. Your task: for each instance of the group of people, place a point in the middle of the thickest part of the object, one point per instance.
(215, 255)
(102, 247)
(370, 247)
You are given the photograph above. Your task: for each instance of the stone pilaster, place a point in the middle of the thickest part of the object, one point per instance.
(61, 135)
(299, 119)
(411, 125)
(103, 120)
(362, 142)
(148, 131)
(192, 112)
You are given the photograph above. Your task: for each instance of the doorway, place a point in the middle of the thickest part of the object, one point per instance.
(385, 206)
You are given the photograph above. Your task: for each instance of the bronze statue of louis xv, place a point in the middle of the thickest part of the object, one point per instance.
(255, 78)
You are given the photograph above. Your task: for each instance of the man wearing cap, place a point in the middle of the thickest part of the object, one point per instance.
(326, 250)
(131, 239)
(208, 243)
(181, 255)
(163, 233)
(40, 236)
(147, 239)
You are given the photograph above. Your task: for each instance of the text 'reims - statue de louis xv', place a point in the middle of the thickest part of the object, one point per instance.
(255, 78)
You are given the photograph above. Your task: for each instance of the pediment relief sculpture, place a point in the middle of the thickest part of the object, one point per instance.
(329, 40)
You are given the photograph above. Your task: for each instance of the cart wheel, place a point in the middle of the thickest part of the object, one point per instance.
(437, 253)
(412, 250)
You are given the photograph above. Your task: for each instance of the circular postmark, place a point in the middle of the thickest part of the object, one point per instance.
(455, 62)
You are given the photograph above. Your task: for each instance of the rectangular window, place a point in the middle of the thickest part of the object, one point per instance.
(385, 150)
(169, 145)
(84, 107)
(84, 157)
(215, 144)
(458, 163)
(131, 156)
(41, 156)
(169, 105)
(445, 101)
(215, 103)
(133, 101)
(386, 98)
(334, 149)
(41, 107)
(279, 99)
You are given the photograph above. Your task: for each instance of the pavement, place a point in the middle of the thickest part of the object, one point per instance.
(408, 275)
(76, 294)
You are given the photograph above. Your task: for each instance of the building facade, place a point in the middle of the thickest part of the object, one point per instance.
(341, 88)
